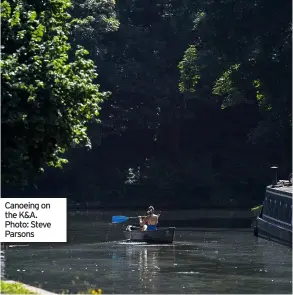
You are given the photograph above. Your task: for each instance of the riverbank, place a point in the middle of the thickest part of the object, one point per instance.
(141, 205)
(13, 287)
(203, 218)
(172, 214)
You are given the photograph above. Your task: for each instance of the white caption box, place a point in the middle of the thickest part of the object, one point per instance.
(33, 220)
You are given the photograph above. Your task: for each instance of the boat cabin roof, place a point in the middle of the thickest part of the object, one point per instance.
(282, 186)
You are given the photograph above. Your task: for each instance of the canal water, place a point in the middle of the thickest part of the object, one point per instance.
(199, 261)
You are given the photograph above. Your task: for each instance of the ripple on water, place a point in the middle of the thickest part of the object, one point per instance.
(188, 272)
(144, 244)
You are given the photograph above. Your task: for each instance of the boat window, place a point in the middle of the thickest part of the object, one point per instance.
(275, 209)
(271, 208)
(267, 207)
(280, 210)
(282, 215)
(287, 214)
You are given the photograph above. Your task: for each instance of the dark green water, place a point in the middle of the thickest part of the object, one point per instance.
(199, 261)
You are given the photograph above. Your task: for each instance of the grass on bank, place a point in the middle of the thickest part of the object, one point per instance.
(257, 208)
(14, 288)
(19, 288)
(90, 291)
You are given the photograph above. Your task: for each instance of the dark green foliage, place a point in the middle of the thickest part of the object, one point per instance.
(200, 105)
(252, 43)
(48, 94)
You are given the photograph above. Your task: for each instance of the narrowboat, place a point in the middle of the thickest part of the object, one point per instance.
(275, 219)
(159, 236)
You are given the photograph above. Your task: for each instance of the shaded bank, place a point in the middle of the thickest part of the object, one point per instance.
(140, 196)
(178, 218)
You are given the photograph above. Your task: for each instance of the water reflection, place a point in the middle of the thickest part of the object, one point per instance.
(146, 258)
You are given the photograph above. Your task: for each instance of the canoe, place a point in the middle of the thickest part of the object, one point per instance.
(159, 236)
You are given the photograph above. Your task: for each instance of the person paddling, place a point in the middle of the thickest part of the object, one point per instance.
(150, 222)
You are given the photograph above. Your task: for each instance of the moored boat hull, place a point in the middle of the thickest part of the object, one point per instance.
(275, 220)
(160, 236)
(272, 231)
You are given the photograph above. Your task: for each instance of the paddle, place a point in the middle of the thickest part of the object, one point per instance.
(119, 219)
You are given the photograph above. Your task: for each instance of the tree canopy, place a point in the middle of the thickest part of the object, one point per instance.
(200, 102)
(250, 45)
(49, 93)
